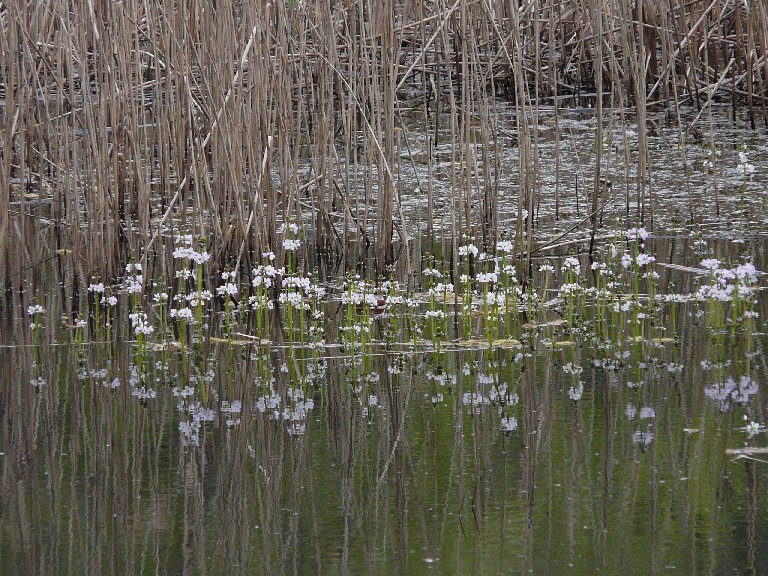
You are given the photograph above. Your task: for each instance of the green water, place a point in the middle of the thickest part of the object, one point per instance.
(612, 456)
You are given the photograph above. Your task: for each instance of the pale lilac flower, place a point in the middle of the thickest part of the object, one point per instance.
(640, 437)
(144, 393)
(637, 233)
(291, 244)
(647, 412)
(509, 424)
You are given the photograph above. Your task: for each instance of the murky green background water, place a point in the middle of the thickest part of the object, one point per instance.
(563, 455)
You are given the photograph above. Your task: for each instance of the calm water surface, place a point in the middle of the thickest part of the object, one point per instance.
(560, 452)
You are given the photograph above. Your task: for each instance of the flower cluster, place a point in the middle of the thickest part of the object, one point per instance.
(744, 168)
(134, 278)
(184, 251)
(290, 242)
(571, 264)
(724, 393)
(140, 323)
(637, 234)
(727, 283)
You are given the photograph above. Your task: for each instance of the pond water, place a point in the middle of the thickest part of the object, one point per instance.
(606, 422)
(695, 184)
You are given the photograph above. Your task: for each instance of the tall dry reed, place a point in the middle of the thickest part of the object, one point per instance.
(122, 124)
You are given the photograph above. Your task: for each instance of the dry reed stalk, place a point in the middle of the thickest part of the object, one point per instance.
(225, 119)
(595, 9)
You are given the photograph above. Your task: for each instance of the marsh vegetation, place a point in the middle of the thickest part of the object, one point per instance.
(312, 287)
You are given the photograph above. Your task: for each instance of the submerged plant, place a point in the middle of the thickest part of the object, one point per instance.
(263, 280)
(35, 312)
(467, 252)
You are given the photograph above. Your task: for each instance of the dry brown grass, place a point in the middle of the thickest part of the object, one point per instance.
(121, 123)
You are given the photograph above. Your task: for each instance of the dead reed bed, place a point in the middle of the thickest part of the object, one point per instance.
(122, 124)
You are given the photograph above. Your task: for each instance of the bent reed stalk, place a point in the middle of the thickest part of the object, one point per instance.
(122, 124)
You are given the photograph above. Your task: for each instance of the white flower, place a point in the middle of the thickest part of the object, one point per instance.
(291, 244)
(571, 264)
(160, 297)
(135, 283)
(438, 314)
(575, 393)
(753, 428)
(182, 314)
(182, 252)
(35, 309)
(643, 259)
(744, 168)
(201, 257)
(227, 289)
(140, 323)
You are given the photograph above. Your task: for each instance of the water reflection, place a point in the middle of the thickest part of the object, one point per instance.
(561, 451)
